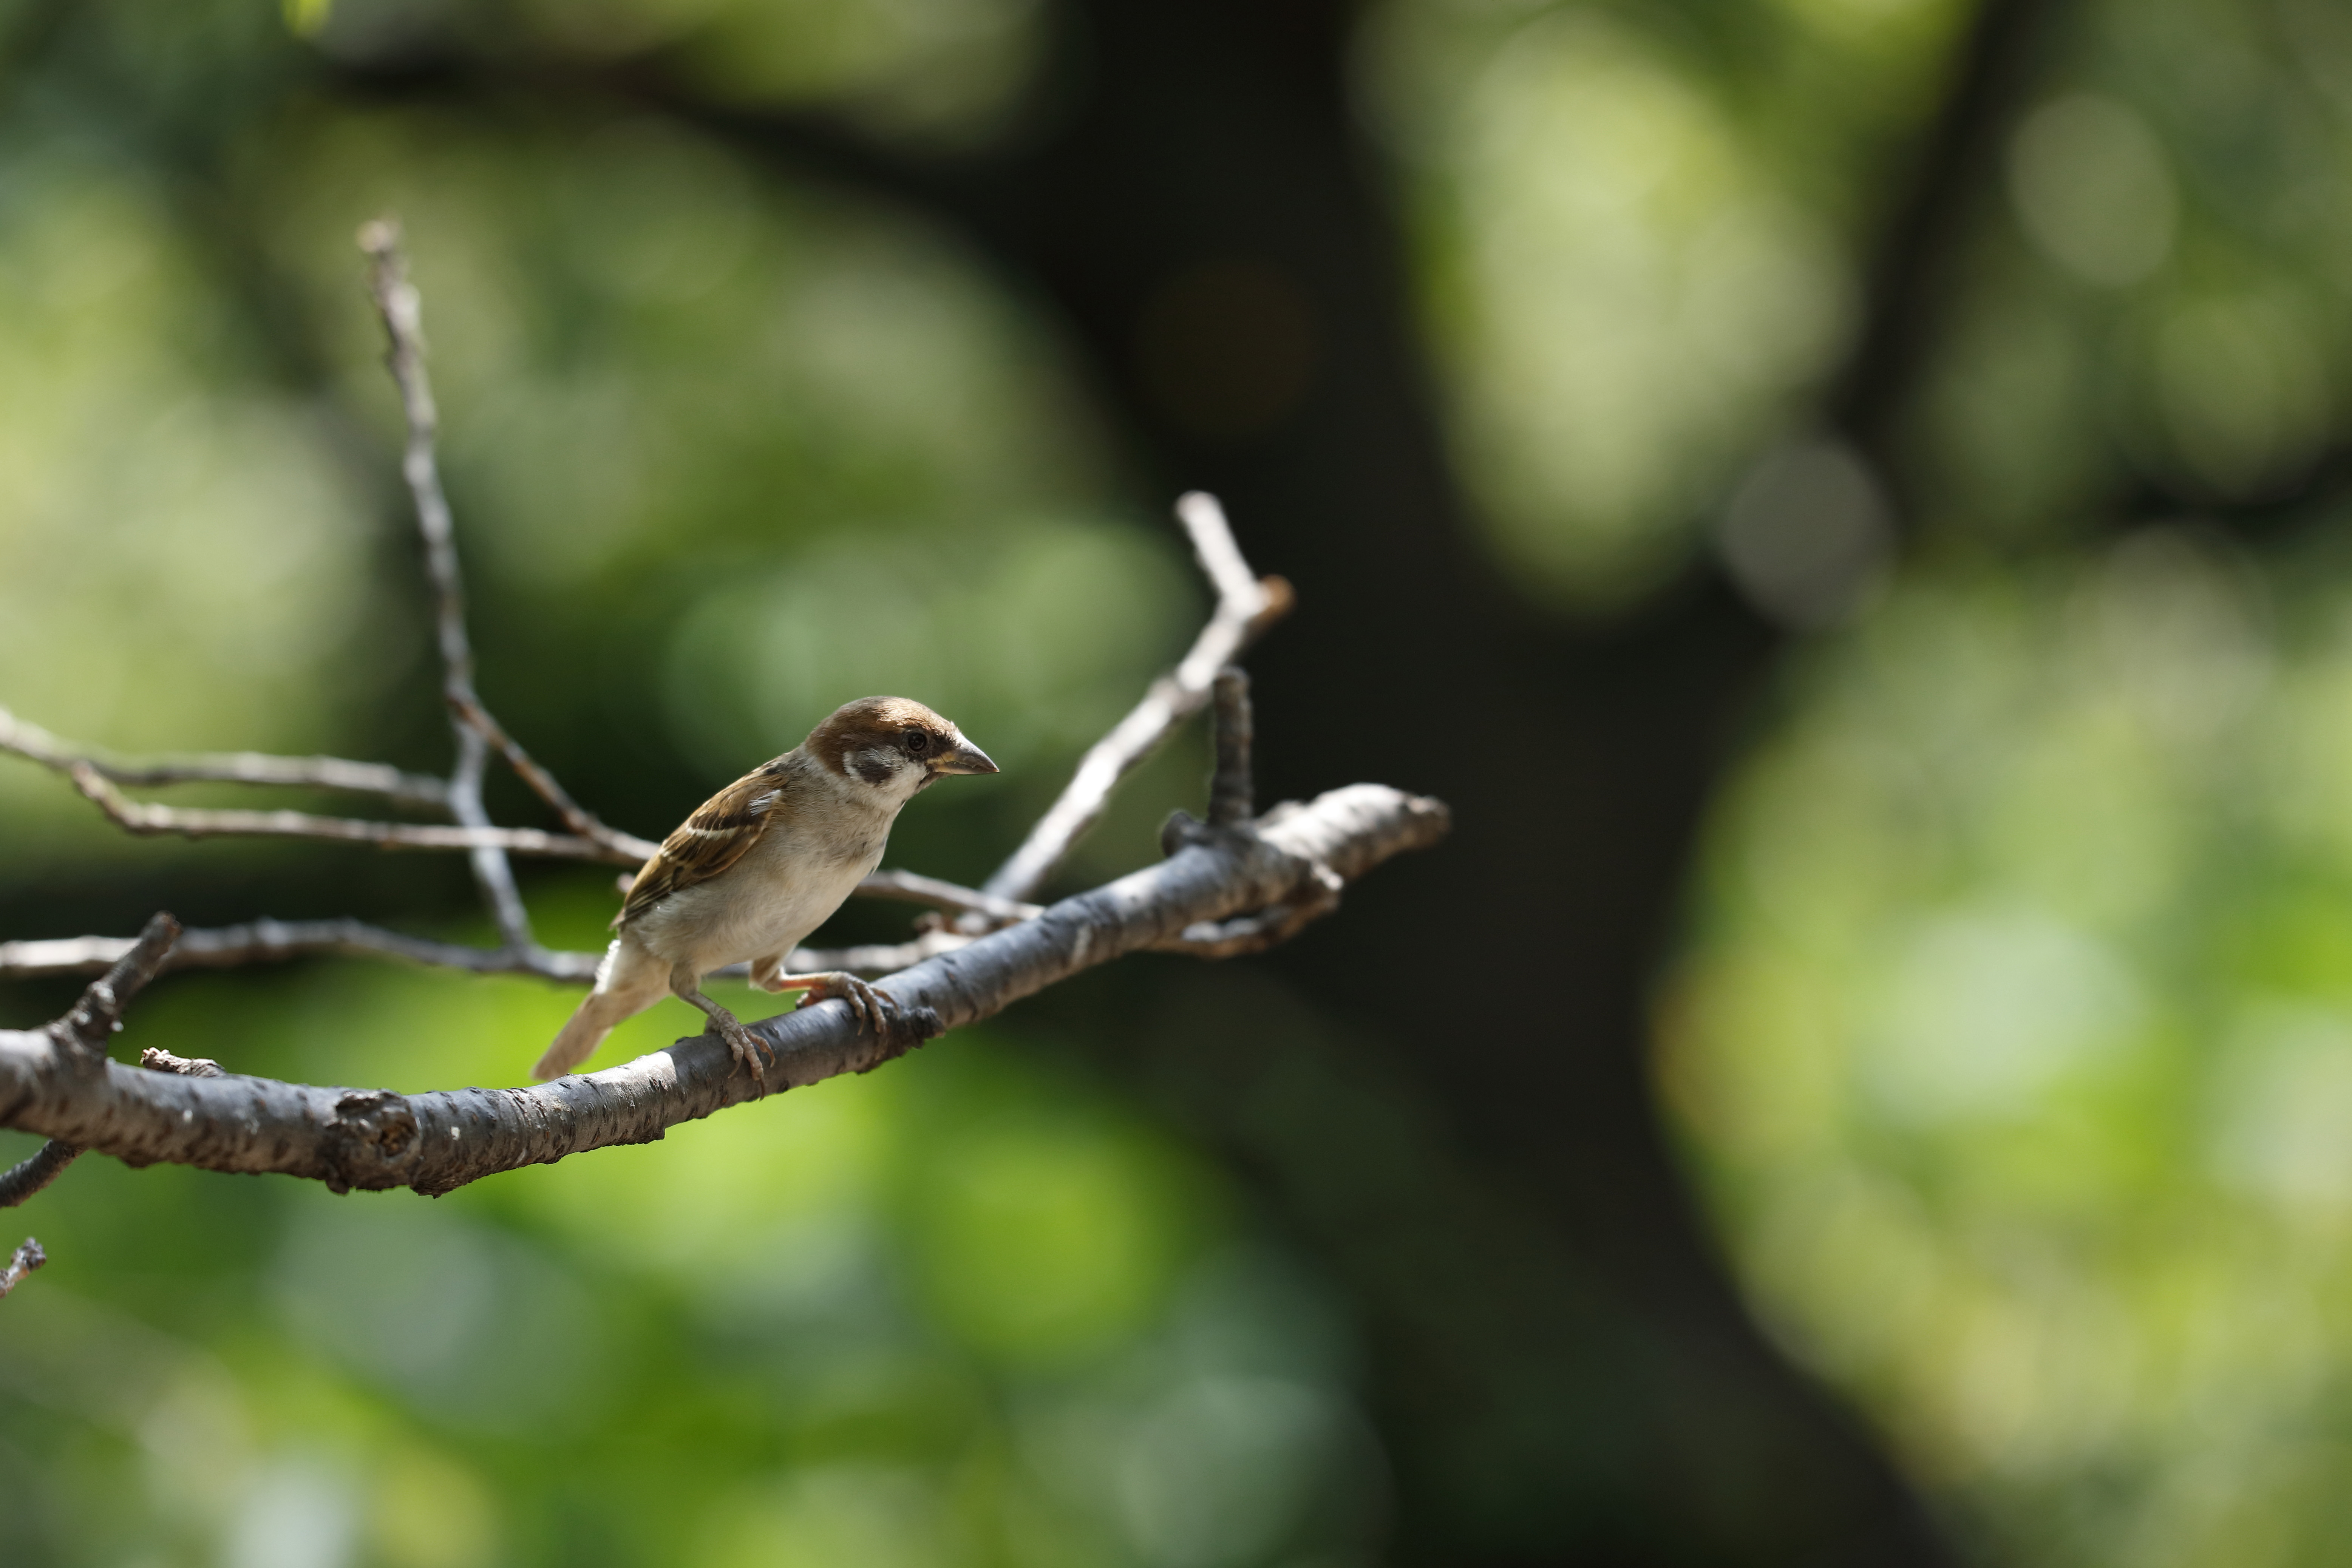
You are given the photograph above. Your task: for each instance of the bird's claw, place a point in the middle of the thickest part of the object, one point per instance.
(873, 1007)
(751, 1052)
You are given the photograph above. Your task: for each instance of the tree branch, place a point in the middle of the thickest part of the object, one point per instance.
(146, 820)
(1246, 605)
(402, 312)
(437, 1141)
(1231, 885)
(1232, 795)
(81, 1034)
(909, 887)
(28, 1257)
(34, 1172)
(268, 940)
(626, 847)
(29, 739)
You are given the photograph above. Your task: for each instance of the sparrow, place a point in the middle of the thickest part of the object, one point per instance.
(759, 867)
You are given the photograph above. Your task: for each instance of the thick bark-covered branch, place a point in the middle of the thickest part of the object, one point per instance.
(1233, 884)
(434, 1143)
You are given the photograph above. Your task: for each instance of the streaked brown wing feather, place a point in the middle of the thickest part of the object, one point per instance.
(717, 835)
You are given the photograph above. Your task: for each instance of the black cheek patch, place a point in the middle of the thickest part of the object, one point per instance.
(876, 774)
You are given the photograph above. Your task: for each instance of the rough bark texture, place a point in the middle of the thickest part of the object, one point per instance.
(434, 1143)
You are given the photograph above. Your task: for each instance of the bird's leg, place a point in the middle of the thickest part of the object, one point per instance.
(752, 1053)
(871, 1004)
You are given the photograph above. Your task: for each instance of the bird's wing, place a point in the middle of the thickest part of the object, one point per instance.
(717, 835)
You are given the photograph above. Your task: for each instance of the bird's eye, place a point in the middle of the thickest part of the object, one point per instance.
(917, 743)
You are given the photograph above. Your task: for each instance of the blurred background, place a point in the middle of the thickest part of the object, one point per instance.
(1845, 498)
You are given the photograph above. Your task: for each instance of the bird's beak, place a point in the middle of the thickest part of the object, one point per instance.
(966, 758)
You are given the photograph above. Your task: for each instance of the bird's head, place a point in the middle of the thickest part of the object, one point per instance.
(894, 745)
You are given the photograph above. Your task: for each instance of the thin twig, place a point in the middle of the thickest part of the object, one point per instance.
(434, 1142)
(626, 847)
(873, 958)
(29, 739)
(92, 1020)
(28, 1257)
(150, 820)
(908, 887)
(402, 310)
(278, 942)
(268, 940)
(34, 1172)
(1233, 794)
(1246, 605)
(82, 1033)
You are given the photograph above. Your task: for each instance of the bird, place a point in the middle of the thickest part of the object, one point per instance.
(759, 867)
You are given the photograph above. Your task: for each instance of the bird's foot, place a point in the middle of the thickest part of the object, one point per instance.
(751, 1052)
(874, 1007)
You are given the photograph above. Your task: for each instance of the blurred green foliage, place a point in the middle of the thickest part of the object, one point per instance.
(725, 453)
(2019, 1044)
(1638, 225)
(2013, 1040)
(2013, 1037)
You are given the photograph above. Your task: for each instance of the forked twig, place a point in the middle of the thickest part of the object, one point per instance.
(81, 1036)
(625, 848)
(1246, 605)
(402, 313)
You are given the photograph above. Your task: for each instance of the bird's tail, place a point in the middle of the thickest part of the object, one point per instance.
(624, 989)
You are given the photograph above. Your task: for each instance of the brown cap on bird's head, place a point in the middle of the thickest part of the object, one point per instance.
(863, 738)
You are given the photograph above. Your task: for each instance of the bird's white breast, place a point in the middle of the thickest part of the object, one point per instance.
(822, 842)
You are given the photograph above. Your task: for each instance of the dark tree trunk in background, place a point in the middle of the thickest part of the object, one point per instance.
(1443, 1097)
(1561, 1369)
